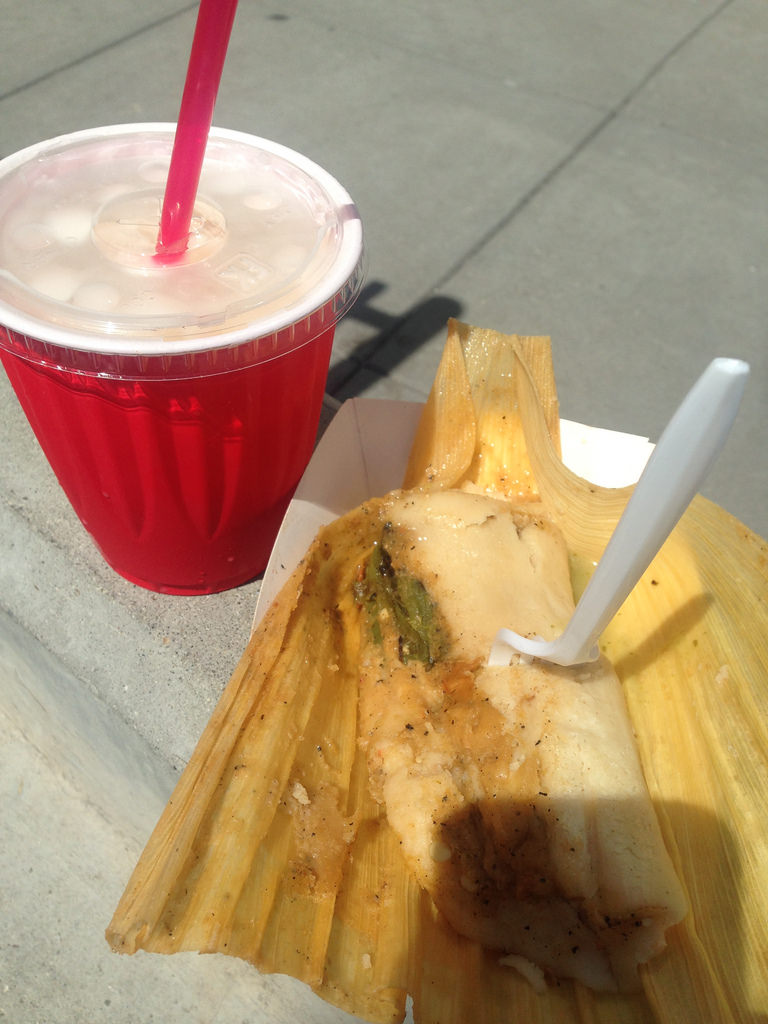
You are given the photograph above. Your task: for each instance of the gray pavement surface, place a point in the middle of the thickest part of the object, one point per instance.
(593, 171)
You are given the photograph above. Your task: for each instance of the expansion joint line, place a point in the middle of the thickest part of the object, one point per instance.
(556, 170)
(84, 58)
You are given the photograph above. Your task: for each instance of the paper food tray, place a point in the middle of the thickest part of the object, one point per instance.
(364, 452)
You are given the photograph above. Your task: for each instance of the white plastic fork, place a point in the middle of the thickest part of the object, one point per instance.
(682, 458)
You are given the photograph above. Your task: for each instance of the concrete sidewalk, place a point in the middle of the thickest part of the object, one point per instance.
(592, 172)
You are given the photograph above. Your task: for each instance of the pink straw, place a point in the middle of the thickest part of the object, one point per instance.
(206, 62)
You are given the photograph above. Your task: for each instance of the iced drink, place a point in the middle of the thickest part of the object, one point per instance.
(178, 402)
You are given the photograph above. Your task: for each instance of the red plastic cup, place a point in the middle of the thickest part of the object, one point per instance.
(177, 405)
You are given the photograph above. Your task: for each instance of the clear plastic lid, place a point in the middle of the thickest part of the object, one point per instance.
(274, 254)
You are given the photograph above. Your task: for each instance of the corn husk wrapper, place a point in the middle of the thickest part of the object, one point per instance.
(272, 850)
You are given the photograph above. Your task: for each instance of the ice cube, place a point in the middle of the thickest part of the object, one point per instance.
(71, 225)
(31, 238)
(289, 258)
(262, 201)
(100, 297)
(155, 171)
(56, 282)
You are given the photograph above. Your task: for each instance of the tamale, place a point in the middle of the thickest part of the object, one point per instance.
(516, 792)
(230, 867)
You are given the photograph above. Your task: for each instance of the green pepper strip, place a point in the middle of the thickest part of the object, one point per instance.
(409, 604)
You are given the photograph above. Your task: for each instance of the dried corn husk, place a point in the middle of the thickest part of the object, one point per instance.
(471, 430)
(233, 865)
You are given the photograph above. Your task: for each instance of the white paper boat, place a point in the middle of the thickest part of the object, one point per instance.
(364, 452)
